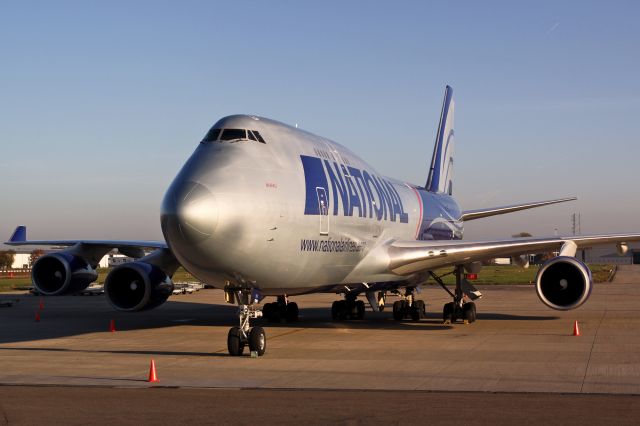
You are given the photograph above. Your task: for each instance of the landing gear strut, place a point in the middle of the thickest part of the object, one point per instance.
(244, 335)
(281, 310)
(349, 308)
(409, 307)
(460, 308)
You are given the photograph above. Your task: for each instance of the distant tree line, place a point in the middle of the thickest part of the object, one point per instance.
(7, 257)
(35, 255)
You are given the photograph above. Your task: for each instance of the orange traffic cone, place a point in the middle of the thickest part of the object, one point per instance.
(41, 306)
(37, 316)
(112, 326)
(153, 377)
(576, 329)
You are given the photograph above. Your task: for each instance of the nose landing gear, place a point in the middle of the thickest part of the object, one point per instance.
(245, 335)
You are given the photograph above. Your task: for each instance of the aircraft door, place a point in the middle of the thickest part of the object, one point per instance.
(323, 204)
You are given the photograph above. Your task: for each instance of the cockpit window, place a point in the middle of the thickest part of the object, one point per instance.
(233, 134)
(255, 132)
(212, 135)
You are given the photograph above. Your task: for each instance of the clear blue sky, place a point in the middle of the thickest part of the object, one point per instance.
(101, 102)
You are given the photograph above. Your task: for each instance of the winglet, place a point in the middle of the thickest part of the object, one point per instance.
(19, 235)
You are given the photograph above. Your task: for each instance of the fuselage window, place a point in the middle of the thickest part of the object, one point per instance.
(212, 135)
(233, 134)
(255, 132)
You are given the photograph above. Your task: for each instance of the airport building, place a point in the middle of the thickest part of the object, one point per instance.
(608, 254)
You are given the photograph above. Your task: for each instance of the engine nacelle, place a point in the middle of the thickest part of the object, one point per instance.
(137, 286)
(61, 273)
(564, 283)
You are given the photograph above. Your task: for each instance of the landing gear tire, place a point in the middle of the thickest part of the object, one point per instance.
(398, 310)
(469, 312)
(334, 310)
(291, 312)
(418, 310)
(347, 309)
(339, 310)
(257, 340)
(359, 309)
(448, 313)
(270, 311)
(235, 345)
(277, 312)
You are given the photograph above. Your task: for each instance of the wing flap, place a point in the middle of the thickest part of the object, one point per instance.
(409, 257)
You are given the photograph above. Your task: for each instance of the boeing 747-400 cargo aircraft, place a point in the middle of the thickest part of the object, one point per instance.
(263, 209)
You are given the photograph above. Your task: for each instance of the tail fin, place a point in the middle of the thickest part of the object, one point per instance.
(441, 172)
(19, 235)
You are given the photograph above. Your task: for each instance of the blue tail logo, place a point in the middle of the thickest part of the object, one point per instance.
(441, 172)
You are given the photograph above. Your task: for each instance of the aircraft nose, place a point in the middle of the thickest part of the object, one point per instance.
(190, 210)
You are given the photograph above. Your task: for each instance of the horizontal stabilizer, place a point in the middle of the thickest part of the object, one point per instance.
(493, 211)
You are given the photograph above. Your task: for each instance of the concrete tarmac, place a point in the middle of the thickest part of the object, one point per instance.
(171, 406)
(518, 347)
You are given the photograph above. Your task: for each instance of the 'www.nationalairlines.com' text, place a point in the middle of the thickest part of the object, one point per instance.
(330, 246)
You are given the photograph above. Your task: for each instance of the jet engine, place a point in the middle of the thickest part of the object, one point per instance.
(137, 286)
(564, 283)
(61, 273)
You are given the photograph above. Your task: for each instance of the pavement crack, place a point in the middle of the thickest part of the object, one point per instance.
(287, 333)
(593, 344)
(4, 415)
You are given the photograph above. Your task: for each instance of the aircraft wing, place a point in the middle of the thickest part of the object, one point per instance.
(19, 238)
(409, 257)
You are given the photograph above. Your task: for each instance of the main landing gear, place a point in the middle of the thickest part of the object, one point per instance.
(349, 308)
(461, 308)
(409, 307)
(281, 310)
(245, 335)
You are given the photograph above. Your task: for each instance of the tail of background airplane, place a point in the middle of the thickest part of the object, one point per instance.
(441, 172)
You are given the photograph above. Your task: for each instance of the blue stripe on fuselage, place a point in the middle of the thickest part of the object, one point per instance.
(314, 178)
(352, 189)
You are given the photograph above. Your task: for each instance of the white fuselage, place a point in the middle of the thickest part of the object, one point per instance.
(296, 214)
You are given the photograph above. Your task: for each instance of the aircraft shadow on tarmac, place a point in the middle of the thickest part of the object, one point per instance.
(65, 317)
